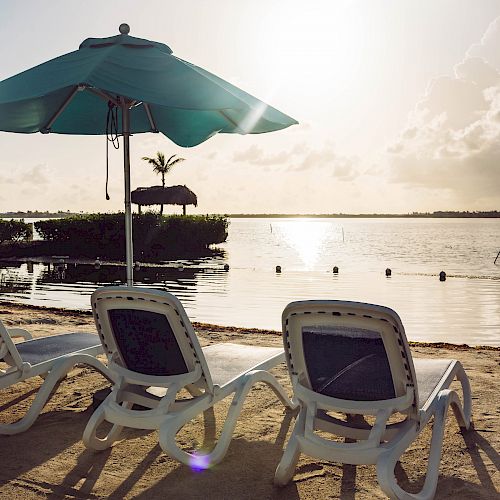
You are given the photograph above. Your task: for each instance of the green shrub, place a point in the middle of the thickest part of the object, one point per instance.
(156, 237)
(15, 230)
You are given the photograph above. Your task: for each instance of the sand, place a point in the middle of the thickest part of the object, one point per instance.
(50, 461)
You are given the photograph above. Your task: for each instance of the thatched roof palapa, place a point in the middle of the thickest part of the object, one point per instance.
(159, 195)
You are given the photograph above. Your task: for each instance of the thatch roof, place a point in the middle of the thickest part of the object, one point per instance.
(158, 195)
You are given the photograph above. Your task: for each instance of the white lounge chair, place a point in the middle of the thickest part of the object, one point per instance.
(353, 358)
(49, 357)
(152, 349)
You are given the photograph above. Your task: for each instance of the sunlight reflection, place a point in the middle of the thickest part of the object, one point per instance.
(306, 237)
(200, 462)
(252, 118)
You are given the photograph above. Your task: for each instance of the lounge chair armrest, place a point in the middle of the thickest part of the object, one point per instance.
(323, 402)
(25, 368)
(131, 377)
(19, 332)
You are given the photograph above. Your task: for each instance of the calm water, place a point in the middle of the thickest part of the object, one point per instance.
(463, 309)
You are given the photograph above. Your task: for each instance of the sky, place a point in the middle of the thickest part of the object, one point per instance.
(398, 104)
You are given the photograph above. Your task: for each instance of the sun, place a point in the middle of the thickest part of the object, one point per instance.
(311, 45)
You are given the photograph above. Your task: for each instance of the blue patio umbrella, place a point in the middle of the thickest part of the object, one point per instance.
(144, 86)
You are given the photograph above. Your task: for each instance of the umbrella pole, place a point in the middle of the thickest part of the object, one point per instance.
(128, 207)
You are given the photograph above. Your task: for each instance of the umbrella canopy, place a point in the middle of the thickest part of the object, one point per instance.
(70, 94)
(150, 89)
(159, 195)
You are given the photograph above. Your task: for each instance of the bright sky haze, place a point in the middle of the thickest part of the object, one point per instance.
(398, 105)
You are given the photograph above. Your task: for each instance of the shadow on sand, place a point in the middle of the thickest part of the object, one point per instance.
(247, 463)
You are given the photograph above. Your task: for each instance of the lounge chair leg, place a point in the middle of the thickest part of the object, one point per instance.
(288, 463)
(90, 439)
(50, 384)
(277, 388)
(171, 426)
(169, 429)
(463, 414)
(387, 461)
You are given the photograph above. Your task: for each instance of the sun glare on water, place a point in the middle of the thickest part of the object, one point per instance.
(306, 237)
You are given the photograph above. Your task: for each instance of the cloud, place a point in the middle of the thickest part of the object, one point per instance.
(256, 155)
(6, 180)
(35, 177)
(452, 138)
(302, 158)
(317, 158)
(487, 48)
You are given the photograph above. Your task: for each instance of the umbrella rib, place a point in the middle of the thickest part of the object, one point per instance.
(104, 95)
(46, 129)
(230, 120)
(152, 122)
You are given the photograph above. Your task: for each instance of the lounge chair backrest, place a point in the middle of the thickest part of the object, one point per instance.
(349, 351)
(147, 332)
(8, 350)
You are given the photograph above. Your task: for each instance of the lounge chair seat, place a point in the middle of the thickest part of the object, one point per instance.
(49, 357)
(226, 362)
(353, 358)
(41, 350)
(154, 353)
(429, 373)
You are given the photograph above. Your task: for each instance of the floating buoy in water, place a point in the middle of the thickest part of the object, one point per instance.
(388, 272)
(442, 276)
(97, 263)
(137, 266)
(278, 269)
(226, 267)
(180, 267)
(335, 270)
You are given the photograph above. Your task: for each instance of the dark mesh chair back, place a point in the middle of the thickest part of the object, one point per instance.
(146, 342)
(347, 363)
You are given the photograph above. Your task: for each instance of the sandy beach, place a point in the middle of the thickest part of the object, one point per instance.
(50, 460)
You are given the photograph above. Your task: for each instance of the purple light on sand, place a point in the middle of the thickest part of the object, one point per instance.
(199, 462)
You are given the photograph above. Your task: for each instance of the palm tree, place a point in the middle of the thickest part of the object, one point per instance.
(160, 166)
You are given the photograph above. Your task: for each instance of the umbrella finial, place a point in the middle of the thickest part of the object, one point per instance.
(124, 29)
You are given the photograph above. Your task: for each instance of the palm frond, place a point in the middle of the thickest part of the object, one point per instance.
(177, 160)
(151, 161)
(160, 166)
(161, 158)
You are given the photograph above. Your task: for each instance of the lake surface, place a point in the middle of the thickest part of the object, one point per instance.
(463, 309)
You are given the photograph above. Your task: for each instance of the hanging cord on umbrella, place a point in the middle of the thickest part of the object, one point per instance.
(111, 136)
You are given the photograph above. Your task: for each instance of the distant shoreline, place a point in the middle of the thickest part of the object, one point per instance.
(492, 214)
(36, 215)
(434, 215)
